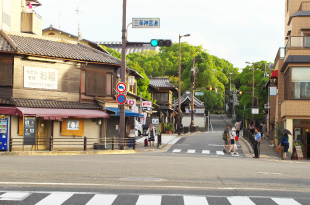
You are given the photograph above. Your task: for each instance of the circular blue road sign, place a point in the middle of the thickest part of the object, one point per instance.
(121, 99)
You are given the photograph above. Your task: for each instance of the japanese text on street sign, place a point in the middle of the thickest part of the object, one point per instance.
(41, 78)
(121, 99)
(146, 104)
(199, 93)
(121, 87)
(145, 22)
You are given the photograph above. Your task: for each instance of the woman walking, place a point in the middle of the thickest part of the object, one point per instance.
(232, 141)
(151, 135)
(284, 143)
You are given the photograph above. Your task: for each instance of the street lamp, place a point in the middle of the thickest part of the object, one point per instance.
(179, 107)
(230, 82)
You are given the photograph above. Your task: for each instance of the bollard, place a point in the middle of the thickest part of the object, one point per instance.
(158, 140)
(51, 143)
(85, 143)
(282, 151)
(10, 144)
(112, 143)
(134, 144)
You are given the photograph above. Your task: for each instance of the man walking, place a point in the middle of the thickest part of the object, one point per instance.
(257, 138)
(237, 126)
(226, 138)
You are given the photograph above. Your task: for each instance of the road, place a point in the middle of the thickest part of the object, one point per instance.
(153, 178)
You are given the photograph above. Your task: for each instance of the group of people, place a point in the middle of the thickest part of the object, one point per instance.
(230, 139)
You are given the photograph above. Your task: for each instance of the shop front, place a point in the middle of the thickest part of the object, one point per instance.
(301, 135)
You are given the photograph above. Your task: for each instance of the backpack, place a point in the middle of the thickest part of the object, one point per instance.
(225, 135)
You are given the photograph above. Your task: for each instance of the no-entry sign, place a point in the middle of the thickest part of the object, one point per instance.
(121, 99)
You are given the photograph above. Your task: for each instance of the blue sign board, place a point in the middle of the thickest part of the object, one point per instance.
(145, 22)
(121, 99)
(3, 134)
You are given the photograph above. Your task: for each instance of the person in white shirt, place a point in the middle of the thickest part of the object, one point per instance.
(232, 140)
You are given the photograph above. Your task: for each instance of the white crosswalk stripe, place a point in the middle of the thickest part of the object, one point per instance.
(191, 151)
(176, 150)
(220, 153)
(285, 201)
(109, 199)
(55, 199)
(205, 151)
(240, 200)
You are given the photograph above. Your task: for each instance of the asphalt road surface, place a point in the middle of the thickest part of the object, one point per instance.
(151, 178)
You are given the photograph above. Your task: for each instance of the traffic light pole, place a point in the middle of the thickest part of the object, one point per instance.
(123, 73)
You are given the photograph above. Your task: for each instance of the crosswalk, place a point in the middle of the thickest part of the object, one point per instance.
(57, 198)
(204, 152)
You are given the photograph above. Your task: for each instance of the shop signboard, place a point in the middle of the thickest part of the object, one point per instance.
(29, 130)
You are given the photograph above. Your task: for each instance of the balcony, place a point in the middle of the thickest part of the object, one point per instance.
(31, 23)
(295, 108)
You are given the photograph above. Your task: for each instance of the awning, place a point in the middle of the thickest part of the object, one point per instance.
(274, 74)
(128, 113)
(58, 114)
(8, 110)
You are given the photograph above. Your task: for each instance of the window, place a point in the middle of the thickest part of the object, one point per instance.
(301, 82)
(98, 84)
(162, 98)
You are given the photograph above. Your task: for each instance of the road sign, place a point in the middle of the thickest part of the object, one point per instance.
(255, 111)
(199, 93)
(146, 104)
(132, 102)
(145, 22)
(121, 99)
(121, 87)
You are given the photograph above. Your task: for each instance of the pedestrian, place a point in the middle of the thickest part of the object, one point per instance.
(257, 138)
(151, 132)
(233, 141)
(237, 126)
(263, 130)
(226, 138)
(284, 143)
(252, 130)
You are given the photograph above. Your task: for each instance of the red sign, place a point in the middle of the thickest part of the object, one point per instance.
(121, 99)
(121, 87)
(146, 104)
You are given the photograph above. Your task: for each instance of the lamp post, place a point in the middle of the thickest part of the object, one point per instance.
(253, 69)
(179, 105)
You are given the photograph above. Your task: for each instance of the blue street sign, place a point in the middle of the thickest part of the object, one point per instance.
(145, 22)
(121, 99)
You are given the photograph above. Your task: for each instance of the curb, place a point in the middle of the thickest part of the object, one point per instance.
(247, 144)
(48, 153)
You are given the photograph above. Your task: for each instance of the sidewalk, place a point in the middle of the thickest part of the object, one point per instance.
(267, 150)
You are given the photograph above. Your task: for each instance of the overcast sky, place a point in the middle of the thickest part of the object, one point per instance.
(236, 30)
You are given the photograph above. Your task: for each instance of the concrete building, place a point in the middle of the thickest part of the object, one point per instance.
(292, 65)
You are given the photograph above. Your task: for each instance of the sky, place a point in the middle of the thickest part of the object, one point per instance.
(235, 30)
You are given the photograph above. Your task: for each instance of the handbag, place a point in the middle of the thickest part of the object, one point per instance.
(235, 147)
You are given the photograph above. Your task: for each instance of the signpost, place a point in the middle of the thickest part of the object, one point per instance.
(121, 99)
(121, 87)
(199, 93)
(147, 104)
(145, 22)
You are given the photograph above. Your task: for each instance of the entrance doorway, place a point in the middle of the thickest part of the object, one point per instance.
(308, 145)
(42, 136)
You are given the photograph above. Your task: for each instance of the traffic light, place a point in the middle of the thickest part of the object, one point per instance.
(239, 93)
(161, 42)
(210, 88)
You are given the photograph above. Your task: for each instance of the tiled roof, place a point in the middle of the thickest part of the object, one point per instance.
(5, 101)
(134, 72)
(188, 97)
(137, 48)
(34, 103)
(51, 28)
(51, 47)
(161, 82)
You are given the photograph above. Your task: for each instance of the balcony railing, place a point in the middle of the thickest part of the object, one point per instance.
(298, 42)
(280, 55)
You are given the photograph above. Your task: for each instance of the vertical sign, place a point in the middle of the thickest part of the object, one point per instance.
(29, 130)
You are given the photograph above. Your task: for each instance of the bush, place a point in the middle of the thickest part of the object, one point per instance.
(169, 127)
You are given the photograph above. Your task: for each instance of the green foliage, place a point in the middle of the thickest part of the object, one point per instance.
(169, 127)
(113, 52)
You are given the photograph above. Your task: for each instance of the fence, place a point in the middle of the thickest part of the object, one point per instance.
(78, 143)
(248, 136)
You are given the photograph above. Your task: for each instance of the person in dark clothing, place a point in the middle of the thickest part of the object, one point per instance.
(251, 127)
(257, 138)
(151, 135)
(284, 143)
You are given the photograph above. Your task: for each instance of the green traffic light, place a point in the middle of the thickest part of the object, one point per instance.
(154, 42)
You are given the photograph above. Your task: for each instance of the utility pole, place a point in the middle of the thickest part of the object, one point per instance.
(179, 105)
(253, 92)
(123, 73)
(193, 90)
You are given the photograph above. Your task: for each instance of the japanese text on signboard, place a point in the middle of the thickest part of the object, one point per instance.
(145, 23)
(42, 78)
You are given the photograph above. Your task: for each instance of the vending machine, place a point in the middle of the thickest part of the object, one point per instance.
(4, 134)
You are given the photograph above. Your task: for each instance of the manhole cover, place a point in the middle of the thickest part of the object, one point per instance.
(142, 179)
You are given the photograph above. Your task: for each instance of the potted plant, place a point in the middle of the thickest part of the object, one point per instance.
(169, 128)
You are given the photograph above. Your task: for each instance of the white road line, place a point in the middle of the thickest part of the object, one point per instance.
(240, 200)
(194, 200)
(205, 151)
(220, 153)
(176, 150)
(285, 201)
(14, 196)
(191, 151)
(175, 140)
(102, 199)
(55, 198)
(149, 200)
(211, 126)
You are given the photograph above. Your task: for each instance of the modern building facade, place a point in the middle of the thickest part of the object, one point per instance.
(292, 107)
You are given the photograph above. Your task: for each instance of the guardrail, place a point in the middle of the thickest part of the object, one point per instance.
(82, 143)
(248, 136)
